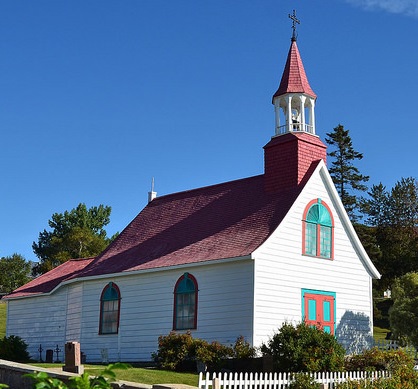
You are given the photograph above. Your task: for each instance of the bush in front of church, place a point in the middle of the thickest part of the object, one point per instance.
(304, 348)
(13, 348)
(182, 351)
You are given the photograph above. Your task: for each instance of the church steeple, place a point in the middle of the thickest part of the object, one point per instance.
(294, 100)
(291, 152)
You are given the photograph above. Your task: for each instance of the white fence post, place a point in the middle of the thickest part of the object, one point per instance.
(279, 380)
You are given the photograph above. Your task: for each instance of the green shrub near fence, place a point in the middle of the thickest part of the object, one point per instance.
(176, 350)
(303, 348)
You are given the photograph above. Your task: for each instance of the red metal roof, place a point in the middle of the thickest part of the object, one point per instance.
(294, 78)
(221, 221)
(48, 281)
(227, 220)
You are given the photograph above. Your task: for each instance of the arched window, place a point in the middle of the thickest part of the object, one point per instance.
(109, 309)
(318, 226)
(185, 303)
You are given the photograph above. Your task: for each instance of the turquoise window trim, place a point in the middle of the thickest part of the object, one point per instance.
(111, 293)
(322, 293)
(312, 310)
(186, 285)
(327, 316)
(185, 303)
(109, 310)
(318, 214)
(318, 230)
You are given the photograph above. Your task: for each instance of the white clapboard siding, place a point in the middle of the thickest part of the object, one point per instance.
(224, 310)
(39, 321)
(74, 312)
(281, 272)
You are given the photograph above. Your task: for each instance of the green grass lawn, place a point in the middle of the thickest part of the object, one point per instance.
(381, 322)
(140, 375)
(380, 333)
(3, 316)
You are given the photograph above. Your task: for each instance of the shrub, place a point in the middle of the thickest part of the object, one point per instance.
(14, 348)
(399, 363)
(213, 354)
(399, 380)
(177, 350)
(304, 348)
(173, 349)
(375, 359)
(242, 349)
(303, 381)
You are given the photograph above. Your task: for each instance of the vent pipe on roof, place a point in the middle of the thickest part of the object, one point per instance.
(152, 195)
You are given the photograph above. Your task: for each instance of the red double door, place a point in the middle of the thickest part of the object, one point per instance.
(319, 311)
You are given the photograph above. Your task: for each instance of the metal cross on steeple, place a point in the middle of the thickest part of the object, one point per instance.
(295, 20)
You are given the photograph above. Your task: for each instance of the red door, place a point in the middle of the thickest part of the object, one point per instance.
(319, 311)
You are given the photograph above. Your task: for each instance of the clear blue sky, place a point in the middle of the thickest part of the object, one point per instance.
(99, 96)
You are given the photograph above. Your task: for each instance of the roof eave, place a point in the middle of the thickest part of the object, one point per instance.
(364, 257)
(131, 273)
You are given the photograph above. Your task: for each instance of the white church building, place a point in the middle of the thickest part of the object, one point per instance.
(235, 258)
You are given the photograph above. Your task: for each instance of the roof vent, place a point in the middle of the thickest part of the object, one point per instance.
(152, 195)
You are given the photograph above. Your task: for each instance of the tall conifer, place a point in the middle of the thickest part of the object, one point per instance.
(345, 175)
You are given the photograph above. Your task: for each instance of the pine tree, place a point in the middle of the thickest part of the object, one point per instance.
(345, 175)
(393, 217)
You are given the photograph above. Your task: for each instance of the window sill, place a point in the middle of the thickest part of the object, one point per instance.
(316, 256)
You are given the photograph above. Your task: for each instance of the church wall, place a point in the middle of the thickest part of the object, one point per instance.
(224, 310)
(281, 272)
(39, 321)
(74, 312)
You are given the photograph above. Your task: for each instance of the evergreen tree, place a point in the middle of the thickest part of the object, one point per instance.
(345, 175)
(78, 233)
(393, 216)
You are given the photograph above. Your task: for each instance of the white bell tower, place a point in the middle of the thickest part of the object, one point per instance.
(294, 101)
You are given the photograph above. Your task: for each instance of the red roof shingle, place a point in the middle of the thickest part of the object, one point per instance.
(48, 281)
(221, 221)
(294, 79)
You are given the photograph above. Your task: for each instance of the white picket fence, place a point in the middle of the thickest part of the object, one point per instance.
(277, 380)
(394, 345)
(387, 344)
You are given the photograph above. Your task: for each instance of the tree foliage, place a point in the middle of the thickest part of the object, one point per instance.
(14, 348)
(14, 272)
(403, 315)
(78, 233)
(393, 216)
(303, 348)
(176, 350)
(345, 175)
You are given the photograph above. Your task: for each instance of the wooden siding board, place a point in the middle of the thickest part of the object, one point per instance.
(39, 321)
(281, 272)
(224, 311)
(74, 313)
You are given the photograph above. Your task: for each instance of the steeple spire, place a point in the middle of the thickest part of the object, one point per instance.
(292, 152)
(294, 100)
